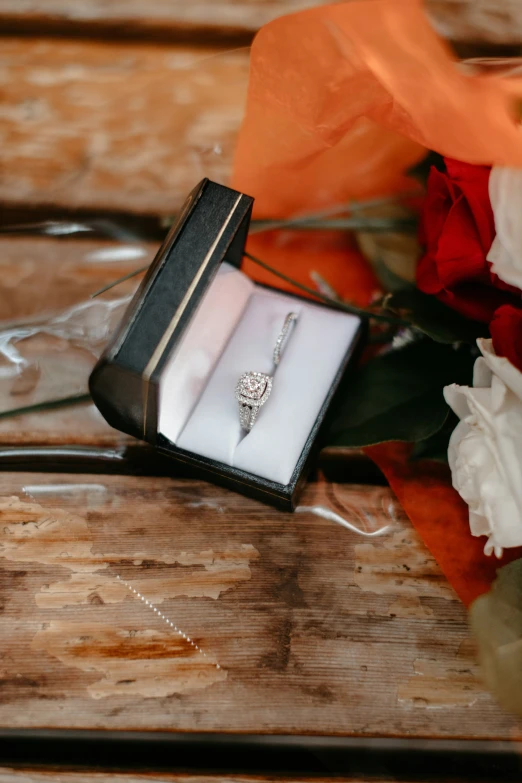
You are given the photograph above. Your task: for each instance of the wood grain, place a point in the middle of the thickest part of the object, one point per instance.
(486, 21)
(115, 126)
(40, 278)
(315, 629)
(129, 126)
(492, 21)
(164, 15)
(13, 775)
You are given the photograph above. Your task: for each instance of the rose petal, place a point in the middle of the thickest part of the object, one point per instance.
(473, 182)
(475, 301)
(460, 256)
(505, 255)
(428, 279)
(501, 367)
(482, 375)
(457, 400)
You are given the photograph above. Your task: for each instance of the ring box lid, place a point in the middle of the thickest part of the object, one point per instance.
(212, 227)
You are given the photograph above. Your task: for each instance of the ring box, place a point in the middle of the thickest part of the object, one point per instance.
(195, 325)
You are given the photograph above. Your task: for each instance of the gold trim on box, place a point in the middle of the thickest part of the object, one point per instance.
(169, 331)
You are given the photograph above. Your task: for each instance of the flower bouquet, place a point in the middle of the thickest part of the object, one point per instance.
(407, 164)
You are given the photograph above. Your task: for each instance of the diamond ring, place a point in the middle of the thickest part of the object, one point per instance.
(253, 388)
(252, 391)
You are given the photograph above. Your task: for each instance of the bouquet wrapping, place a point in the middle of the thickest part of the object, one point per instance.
(349, 107)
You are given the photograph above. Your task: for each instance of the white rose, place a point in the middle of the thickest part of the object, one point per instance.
(505, 193)
(485, 449)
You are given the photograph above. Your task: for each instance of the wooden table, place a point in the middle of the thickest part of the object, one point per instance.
(307, 630)
(307, 646)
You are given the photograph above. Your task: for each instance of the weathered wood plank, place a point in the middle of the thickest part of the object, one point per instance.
(171, 15)
(486, 21)
(39, 278)
(132, 127)
(13, 775)
(115, 126)
(315, 629)
(492, 21)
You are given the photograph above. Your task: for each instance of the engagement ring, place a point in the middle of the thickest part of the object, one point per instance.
(253, 388)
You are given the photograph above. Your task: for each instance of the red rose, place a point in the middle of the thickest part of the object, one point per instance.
(457, 230)
(506, 331)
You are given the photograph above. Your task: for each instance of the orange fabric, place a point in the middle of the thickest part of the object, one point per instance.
(441, 518)
(342, 100)
(299, 254)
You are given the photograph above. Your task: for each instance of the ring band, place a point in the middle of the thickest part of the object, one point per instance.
(281, 341)
(253, 388)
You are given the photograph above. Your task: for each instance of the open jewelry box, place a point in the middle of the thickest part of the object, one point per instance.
(196, 324)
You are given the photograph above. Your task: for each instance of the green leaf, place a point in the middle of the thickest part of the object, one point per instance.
(496, 622)
(433, 318)
(435, 447)
(398, 395)
(413, 420)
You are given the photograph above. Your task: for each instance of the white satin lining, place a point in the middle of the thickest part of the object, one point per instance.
(233, 332)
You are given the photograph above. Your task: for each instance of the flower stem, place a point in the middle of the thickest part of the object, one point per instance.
(339, 305)
(375, 224)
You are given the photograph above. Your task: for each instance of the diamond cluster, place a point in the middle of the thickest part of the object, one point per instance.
(253, 389)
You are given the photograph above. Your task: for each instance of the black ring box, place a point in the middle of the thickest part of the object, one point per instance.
(212, 227)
